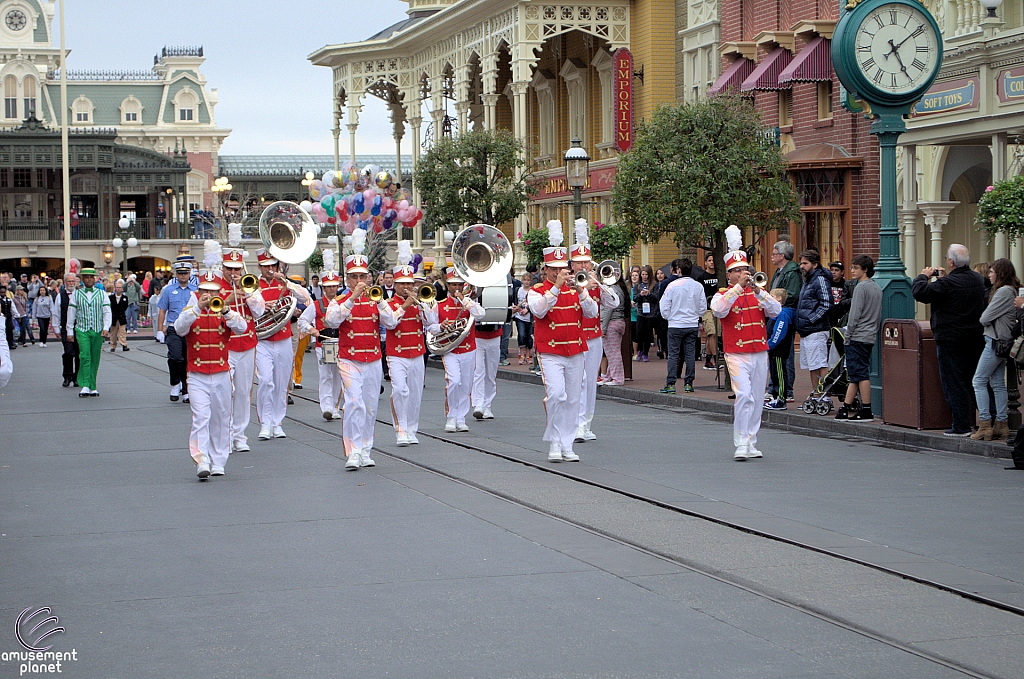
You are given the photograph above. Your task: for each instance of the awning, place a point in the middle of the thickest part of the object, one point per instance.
(813, 64)
(766, 75)
(733, 76)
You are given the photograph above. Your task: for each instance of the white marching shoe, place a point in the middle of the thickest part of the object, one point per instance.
(279, 433)
(570, 456)
(402, 440)
(741, 453)
(203, 470)
(461, 426)
(85, 392)
(216, 470)
(241, 447)
(554, 453)
(266, 431)
(752, 452)
(353, 461)
(336, 415)
(450, 424)
(364, 458)
(488, 415)
(589, 435)
(581, 433)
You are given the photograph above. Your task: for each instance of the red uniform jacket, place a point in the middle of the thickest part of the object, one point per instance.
(359, 334)
(271, 293)
(207, 343)
(743, 330)
(451, 309)
(561, 330)
(406, 340)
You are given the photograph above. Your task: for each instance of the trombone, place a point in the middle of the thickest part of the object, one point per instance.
(426, 293)
(581, 278)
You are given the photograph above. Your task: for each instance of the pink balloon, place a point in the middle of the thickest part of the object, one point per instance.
(388, 202)
(368, 195)
(404, 204)
(349, 227)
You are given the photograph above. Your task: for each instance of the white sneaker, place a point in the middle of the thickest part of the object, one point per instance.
(461, 426)
(335, 415)
(266, 431)
(570, 456)
(279, 433)
(413, 440)
(581, 434)
(353, 461)
(588, 435)
(93, 392)
(554, 453)
(450, 425)
(216, 471)
(241, 447)
(402, 440)
(478, 413)
(741, 453)
(85, 391)
(202, 470)
(364, 458)
(488, 415)
(753, 452)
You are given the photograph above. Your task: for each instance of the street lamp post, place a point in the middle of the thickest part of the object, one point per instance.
(124, 240)
(577, 168)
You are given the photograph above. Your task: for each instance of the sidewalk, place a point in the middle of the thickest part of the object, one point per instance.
(649, 378)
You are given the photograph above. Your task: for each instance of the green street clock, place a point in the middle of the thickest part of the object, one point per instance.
(887, 53)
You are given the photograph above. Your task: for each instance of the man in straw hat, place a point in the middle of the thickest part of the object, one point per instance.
(405, 349)
(460, 362)
(89, 320)
(313, 323)
(742, 308)
(241, 347)
(558, 308)
(208, 334)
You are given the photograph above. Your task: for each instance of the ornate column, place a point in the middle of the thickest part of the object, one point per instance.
(936, 214)
(336, 131)
(908, 214)
(519, 117)
(490, 110)
(462, 115)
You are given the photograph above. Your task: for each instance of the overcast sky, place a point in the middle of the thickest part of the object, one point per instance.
(271, 97)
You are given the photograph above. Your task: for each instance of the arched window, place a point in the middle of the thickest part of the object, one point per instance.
(29, 93)
(81, 111)
(10, 97)
(185, 104)
(131, 111)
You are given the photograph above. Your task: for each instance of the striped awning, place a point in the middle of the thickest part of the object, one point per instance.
(733, 76)
(813, 64)
(766, 75)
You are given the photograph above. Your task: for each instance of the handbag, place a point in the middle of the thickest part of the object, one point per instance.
(1016, 351)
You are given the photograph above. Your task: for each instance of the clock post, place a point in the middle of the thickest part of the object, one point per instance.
(887, 53)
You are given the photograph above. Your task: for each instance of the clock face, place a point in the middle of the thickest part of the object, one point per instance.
(16, 20)
(897, 49)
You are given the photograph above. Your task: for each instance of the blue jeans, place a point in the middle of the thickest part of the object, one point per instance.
(133, 317)
(680, 340)
(991, 372)
(506, 334)
(524, 333)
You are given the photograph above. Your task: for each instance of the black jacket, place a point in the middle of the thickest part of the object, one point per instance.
(814, 302)
(957, 300)
(118, 310)
(64, 300)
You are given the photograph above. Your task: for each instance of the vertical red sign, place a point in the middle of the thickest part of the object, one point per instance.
(622, 87)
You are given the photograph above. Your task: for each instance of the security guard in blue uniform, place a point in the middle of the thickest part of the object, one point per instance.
(173, 298)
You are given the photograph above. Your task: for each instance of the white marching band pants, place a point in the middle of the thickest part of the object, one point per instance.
(591, 369)
(459, 370)
(563, 377)
(361, 383)
(243, 366)
(274, 363)
(485, 372)
(330, 383)
(210, 398)
(748, 373)
(406, 393)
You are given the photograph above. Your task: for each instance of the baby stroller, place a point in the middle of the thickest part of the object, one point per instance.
(835, 381)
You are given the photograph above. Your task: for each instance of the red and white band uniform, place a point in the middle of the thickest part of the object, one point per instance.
(330, 379)
(592, 366)
(460, 362)
(207, 335)
(558, 340)
(275, 360)
(405, 351)
(485, 372)
(359, 363)
(745, 342)
(242, 359)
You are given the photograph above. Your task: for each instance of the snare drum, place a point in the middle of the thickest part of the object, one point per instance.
(329, 349)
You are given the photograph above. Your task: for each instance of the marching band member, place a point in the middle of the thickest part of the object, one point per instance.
(460, 362)
(208, 334)
(405, 348)
(241, 348)
(559, 308)
(274, 355)
(581, 260)
(485, 372)
(743, 310)
(359, 358)
(312, 322)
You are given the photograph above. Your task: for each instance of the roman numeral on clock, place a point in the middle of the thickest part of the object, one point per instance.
(878, 76)
(868, 65)
(879, 21)
(892, 17)
(864, 48)
(918, 64)
(922, 48)
(893, 80)
(918, 31)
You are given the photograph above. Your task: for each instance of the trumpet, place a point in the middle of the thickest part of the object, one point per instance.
(760, 279)
(581, 279)
(426, 293)
(218, 306)
(375, 293)
(608, 272)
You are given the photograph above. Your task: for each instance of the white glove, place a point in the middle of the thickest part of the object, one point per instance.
(160, 336)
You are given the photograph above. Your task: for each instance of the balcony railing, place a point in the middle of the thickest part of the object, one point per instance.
(151, 228)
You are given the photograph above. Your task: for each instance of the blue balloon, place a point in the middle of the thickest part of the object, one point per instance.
(364, 224)
(375, 210)
(377, 201)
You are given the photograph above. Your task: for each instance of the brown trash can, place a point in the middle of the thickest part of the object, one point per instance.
(910, 377)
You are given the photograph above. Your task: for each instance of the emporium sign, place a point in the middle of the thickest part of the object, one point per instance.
(622, 88)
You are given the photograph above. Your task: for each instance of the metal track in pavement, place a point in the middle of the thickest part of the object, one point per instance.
(820, 615)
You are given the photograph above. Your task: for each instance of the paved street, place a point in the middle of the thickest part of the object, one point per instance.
(454, 559)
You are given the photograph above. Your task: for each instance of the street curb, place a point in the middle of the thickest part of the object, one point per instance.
(887, 435)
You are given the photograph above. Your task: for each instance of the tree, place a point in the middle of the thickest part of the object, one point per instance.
(475, 178)
(696, 168)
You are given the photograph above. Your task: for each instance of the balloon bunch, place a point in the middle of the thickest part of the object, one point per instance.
(367, 199)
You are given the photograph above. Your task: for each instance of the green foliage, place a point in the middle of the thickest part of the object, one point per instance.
(1001, 209)
(694, 169)
(534, 243)
(475, 178)
(610, 241)
(315, 263)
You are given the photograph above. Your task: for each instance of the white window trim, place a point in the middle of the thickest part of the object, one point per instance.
(180, 103)
(576, 85)
(545, 113)
(82, 105)
(131, 104)
(603, 64)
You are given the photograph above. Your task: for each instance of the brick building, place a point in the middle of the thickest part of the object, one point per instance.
(779, 54)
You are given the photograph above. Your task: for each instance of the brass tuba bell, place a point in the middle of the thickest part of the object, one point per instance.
(287, 232)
